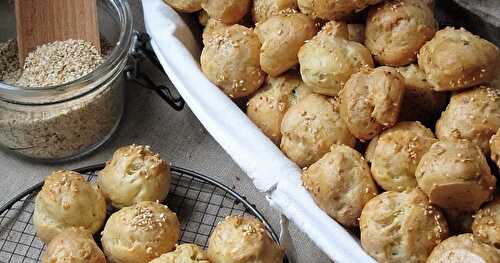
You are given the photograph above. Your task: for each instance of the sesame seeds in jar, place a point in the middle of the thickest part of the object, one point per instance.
(57, 130)
(9, 62)
(68, 98)
(65, 130)
(58, 63)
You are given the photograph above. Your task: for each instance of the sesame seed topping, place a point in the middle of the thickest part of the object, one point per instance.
(145, 219)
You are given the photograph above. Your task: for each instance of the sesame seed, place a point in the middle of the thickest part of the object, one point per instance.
(59, 62)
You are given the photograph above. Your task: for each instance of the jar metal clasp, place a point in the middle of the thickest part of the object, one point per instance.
(141, 52)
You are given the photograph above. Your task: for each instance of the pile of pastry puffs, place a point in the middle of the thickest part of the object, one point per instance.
(394, 120)
(69, 210)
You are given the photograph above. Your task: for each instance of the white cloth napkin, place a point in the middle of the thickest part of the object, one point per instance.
(271, 172)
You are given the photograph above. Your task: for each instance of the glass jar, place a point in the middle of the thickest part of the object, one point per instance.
(70, 120)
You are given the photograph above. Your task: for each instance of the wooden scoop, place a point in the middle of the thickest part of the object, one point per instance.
(44, 21)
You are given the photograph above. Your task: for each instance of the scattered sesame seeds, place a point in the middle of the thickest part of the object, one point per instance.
(145, 219)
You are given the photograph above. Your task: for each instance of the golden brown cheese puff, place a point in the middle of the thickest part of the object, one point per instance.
(231, 60)
(281, 37)
(371, 101)
(401, 227)
(268, 106)
(397, 29)
(455, 175)
(456, 59)
(341, 184)
(420, 102)
(356, 32)
(140, 233)
(264, 9)
(239, 239)
(186, 6)
(495, 148)
(397, 153)
(463, 249)
(134, 174)
(73, 245)
(185, 253)
(211, 28)
(328, 60)
(473, 115)
(486, 225)
(67, 200)
(311, 127)
(227, 11)
(333, 10)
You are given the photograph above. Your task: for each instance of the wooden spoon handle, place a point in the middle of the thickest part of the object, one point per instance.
(44, 21)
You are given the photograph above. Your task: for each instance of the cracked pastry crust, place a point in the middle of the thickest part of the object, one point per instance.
(333, 10)
(227, 11)
(486, 225)
(341, 184)
(211, 28)
(401, 227)
(456, 59)
(311, 127)
(134, 174)
(185, 253)
(455, 175)
(473, 115)
(264, 9)
(239, 239)
(397, 29)
(371, 101)
(75, 245)
(268, 106)
(397, 152)
(463, 248)
(281, 37)
(140, 233)
(231, 60)
(67, 200)
(328, 60)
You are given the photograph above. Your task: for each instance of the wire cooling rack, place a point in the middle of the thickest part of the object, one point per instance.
(200, 203)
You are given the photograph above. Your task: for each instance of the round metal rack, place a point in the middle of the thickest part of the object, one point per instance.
(199, 201)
